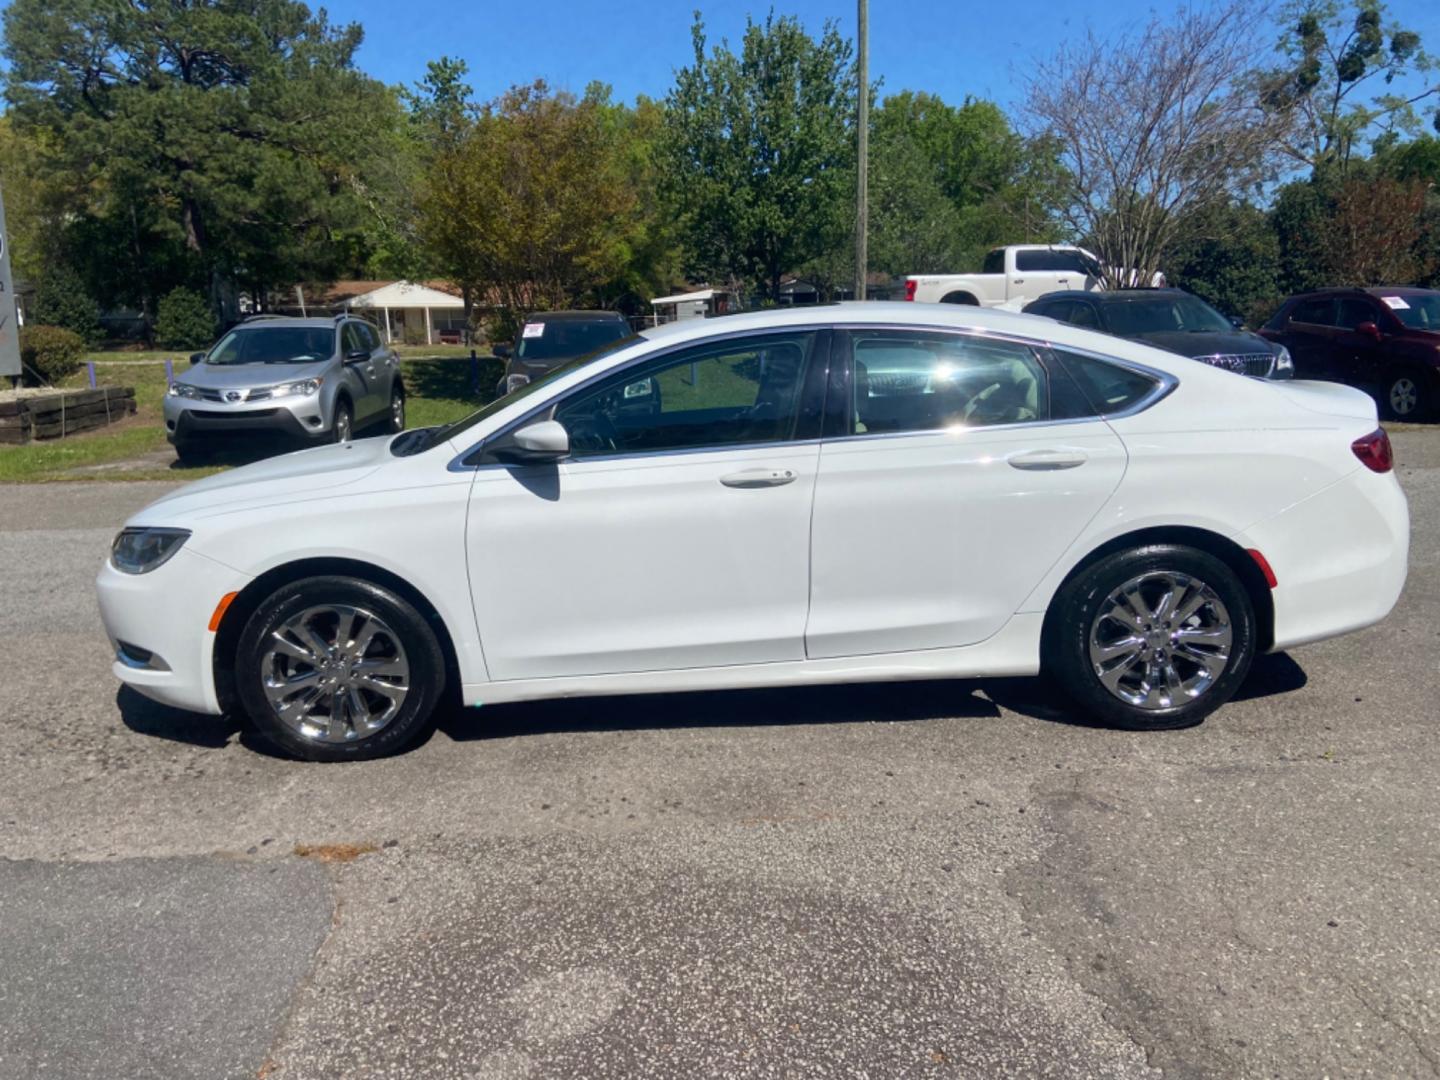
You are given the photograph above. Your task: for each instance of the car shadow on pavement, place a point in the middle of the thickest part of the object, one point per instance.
(851, 703)
(146, 717)
(235, 453)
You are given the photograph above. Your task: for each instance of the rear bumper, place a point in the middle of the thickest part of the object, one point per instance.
(158, 625)
(1340, 557)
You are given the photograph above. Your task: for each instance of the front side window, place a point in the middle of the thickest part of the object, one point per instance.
(274, 345)
(912, 382)
(721, 394)
(1354, 311)
(1084, 316)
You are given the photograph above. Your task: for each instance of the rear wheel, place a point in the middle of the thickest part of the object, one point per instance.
(1408, 395)
(1152, 638)
(338, 669)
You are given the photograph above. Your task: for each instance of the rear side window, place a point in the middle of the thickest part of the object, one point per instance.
(1318, 312)
(1050, 261)
(1084, 315)
(1109, 388)
(994, 262)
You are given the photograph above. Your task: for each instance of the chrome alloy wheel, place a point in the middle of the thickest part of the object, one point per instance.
(335, 673)
(1403, 396)
(342, 426)
(397, 412)
(1160, 640)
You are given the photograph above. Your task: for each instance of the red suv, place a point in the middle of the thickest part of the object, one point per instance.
(1384, 339)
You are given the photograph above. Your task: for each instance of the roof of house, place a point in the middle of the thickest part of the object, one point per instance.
(376, 293)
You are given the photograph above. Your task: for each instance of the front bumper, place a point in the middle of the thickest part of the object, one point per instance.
(187, 421)
(1340, 557)
(158, 625)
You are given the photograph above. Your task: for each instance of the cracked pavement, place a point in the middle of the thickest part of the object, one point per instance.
(931, 879)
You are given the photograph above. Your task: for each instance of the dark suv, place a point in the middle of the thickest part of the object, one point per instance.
(1173, 320)
(1385, 340)
(548, 339)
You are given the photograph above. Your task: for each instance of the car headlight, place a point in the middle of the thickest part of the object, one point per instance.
(1284, 365)
(303, 388)
(185, 390)
(138, 551)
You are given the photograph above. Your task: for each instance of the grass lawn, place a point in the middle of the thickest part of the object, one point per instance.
(441, 389)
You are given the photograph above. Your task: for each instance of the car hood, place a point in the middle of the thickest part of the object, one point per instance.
(227, 376)
(1207, 343)
(275, 480)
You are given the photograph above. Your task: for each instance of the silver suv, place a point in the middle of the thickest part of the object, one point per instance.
(315, 379)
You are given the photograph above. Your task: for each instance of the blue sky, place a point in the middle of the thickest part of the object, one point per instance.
(981, 49)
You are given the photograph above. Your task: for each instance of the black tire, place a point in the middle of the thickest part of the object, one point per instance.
(1408, 394)
(344, 418)
(1077, 607)
(395, 416)
(188, 453)
(422, 652)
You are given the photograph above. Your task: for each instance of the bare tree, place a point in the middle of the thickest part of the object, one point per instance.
(1155, 123)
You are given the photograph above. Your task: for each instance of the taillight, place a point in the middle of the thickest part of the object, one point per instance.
(1374, 451)
(910, 289)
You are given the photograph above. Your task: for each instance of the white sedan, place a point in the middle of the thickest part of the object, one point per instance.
(834, 494)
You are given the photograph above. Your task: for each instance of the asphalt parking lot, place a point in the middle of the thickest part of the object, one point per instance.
(909, 880)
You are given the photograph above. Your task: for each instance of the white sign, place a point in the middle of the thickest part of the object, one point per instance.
(1397, 303)
(533, 329)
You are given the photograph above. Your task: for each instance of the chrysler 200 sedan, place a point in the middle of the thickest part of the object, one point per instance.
(854, 493)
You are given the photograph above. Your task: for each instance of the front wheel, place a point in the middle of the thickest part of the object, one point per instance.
(1152, 638)
(343, 426)
(395, 420)
(338, 669)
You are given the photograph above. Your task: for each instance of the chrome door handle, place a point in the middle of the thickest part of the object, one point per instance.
(1047, 460)
(758, 478)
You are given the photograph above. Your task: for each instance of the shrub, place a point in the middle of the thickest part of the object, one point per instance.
(50, 353)
(183, 320)
(62, 300)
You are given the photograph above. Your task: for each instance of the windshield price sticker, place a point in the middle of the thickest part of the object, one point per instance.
(533, 329)
(1397, 303)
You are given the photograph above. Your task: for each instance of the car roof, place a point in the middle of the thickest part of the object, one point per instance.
(264, 322)
(1372, 290)
(1106, 295)
(573, 316)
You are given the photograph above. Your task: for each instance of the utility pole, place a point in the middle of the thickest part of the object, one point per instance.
(862, 153)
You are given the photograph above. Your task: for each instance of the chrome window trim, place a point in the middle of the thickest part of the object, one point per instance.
(457, 463)
(1165, 385)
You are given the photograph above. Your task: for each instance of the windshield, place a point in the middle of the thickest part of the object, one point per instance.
(449, 431)
(274, 345)
(1421, 311)
(567, 337)
(1164, 314)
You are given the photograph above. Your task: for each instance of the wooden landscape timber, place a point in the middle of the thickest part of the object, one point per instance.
(54, 416)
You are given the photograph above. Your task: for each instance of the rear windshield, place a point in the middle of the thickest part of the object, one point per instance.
(274, 345)
(1162, 314)
(1421, 311)
(557, 340)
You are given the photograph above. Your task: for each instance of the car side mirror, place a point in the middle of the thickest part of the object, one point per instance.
(1237, 322)
(1370, 330)
(196, 357)
(537, 444)
(502, 352)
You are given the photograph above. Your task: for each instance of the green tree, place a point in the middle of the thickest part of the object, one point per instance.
(184, 320)
(1228, 254)
(61, 299)
(758, 150)
(528, 200)
(221, 144)
(1334, 54)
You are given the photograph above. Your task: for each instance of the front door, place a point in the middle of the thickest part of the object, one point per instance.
(678, 532)
(948, 491)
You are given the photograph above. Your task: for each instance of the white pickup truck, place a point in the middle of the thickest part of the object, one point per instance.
(1012, 276)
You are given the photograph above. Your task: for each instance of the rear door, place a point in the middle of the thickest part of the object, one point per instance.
(1309, 335)
(956, 469)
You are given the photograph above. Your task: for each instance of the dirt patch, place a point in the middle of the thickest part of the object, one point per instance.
(334, 853)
